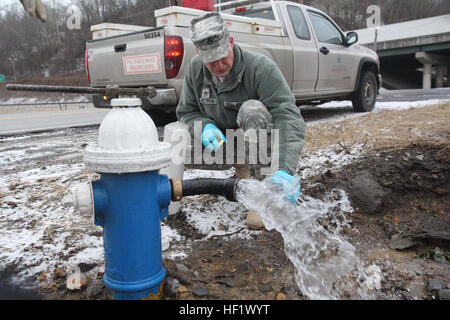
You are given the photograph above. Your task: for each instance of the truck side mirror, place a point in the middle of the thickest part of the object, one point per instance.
(351, 38)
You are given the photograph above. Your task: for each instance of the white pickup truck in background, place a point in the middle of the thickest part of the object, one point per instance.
(318, 60)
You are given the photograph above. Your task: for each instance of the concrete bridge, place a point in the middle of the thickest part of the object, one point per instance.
(413, 54)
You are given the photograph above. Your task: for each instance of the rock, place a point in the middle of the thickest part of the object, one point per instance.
(254, 221)
(85, 267)
(264, 288)
(444, 294)
(94, 289)
(200, 291)
(59, 273)
(290, 289)
(42, 276)
(366, 192)
(75, 281)
(402, 243)
(171, 286)
(165, 244)
(373, 280)
(227, 281)
(181, 267)
(434, 284)
(281, 296)
(440, 191)
(182, 289)
(11, 266)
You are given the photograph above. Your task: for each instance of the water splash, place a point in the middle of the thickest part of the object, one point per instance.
(325, 263)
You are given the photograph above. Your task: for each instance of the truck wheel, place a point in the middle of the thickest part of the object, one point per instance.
(364, 98)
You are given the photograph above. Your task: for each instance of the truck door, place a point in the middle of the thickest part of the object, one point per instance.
(335, 59)
(305, 52)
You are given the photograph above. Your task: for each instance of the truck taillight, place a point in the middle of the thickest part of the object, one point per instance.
(86, 64)
(173, 55)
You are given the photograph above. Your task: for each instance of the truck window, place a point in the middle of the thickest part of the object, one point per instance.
(299, 23)
(264, 13)
(324, 29)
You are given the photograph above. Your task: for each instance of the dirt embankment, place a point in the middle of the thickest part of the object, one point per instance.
(400, 190)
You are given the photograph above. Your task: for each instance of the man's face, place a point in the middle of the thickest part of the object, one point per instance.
(221, 68)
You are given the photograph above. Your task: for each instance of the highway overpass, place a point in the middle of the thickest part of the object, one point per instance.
(413, 54)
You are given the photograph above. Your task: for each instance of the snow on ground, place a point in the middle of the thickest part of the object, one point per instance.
(40, 230)
(379, 106)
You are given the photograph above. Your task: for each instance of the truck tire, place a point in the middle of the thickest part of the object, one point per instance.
(161, 118)
(364, 98)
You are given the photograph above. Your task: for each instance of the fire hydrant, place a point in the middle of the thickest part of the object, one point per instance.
(129, 200)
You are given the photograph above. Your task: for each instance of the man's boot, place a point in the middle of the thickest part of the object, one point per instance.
(253, 220)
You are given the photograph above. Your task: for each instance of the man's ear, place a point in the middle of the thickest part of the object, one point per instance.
(231, 41)
(196, 50)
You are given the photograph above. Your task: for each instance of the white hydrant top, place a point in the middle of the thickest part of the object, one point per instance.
(127, 141)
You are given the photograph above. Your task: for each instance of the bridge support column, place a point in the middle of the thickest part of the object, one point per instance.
(440, 71)
(448, 76)
(427, 68)
(428, 60)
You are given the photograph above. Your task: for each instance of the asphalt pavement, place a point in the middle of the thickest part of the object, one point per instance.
(17, 123)
(414, 95)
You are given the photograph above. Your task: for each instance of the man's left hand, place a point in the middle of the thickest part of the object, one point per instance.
(288, 183)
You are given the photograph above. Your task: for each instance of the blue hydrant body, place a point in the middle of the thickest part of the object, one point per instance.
(130, 208)
(129, 200)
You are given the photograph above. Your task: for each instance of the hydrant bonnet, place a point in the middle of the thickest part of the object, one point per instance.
(127, 142)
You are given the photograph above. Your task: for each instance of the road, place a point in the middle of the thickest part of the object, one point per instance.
(16, 123)
(414, 95)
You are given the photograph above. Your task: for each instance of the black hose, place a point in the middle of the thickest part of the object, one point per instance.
(108, 91)
(221, 187)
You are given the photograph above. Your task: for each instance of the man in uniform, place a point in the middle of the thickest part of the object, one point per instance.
(227, 87)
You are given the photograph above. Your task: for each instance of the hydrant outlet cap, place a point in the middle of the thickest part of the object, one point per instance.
(82, 198)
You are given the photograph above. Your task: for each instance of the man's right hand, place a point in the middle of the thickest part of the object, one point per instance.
(212, 137)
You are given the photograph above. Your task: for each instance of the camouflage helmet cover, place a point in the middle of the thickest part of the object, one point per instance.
(210, 36)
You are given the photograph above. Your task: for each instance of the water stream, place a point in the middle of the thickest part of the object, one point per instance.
(327, 266)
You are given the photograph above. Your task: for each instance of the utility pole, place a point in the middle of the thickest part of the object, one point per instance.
(13, 62)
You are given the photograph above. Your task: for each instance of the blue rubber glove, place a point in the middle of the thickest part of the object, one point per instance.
(288, 183)
(210, 134)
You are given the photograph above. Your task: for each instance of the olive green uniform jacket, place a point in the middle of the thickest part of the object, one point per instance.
(253, 76)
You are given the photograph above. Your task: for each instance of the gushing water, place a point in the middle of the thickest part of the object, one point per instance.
(324, 261)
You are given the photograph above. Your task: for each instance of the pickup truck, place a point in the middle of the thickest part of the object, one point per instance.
(319, 61)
